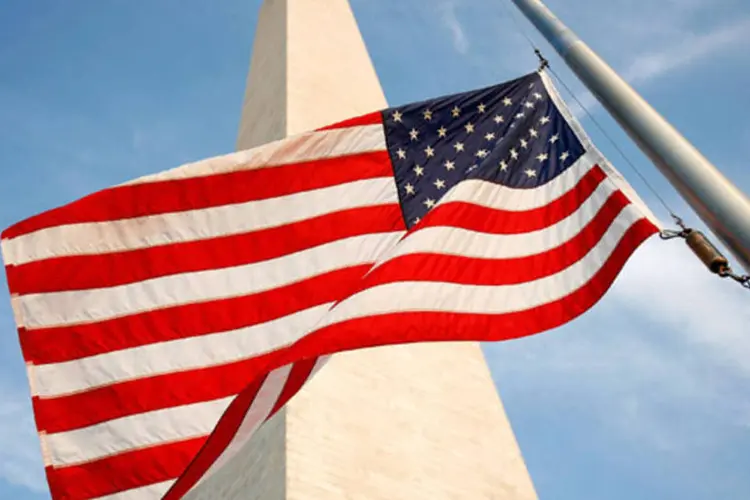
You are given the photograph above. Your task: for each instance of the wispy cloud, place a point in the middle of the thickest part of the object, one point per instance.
(680, 54)
(648, 352)
(690, 50)
(449, 18)
(668, 285)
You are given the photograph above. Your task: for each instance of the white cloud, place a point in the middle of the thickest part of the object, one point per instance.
(661, 361)
(668, 285)
(450, 20)
(691, 49)
(681, 53)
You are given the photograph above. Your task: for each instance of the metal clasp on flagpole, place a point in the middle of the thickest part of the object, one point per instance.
(543, 62)
(706, 252)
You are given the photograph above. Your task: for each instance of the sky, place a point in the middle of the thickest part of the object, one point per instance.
(646, 396)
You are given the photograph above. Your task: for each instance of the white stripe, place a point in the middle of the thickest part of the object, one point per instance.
(309, 146)
(134, 431)
(614, 175)
(152, 491)
(192, 225)
(258, 412)
(250, 424)
(466, 243)
(174, 356)
(87, 306)
(449, 297)
(499, 197)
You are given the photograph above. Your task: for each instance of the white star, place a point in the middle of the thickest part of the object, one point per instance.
(429, 203)
(514, 154)
(507, 101)
(498, 119)
(529, 104)
(409, 188)
(538, 96)
(564, 156)
(469, 128)
(542, 156)
(533, 133)
(554, 139)
(401, 153)
(503, 165)
(427, 114)
(397, 116)
(416, 221)
(530, 172)
(418, 170)
(482, 153)
(459, 146)
(455, 111)
(414, 134)
(481, 107)
(473, 167)
(442, 131)
(489, 136)
(524, 144)
(449, 165)
(544, 120)
(439, 183)
(519, 115)
(429, 152)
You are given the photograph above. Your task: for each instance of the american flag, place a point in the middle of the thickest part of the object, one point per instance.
(165, 319)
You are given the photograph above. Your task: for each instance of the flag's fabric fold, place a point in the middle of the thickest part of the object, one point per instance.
(165, 319)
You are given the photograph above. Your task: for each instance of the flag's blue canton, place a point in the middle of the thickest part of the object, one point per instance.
(512, 134)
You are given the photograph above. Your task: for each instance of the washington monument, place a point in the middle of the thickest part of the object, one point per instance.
(414, 422)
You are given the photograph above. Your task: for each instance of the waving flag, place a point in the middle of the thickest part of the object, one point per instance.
(164, 320)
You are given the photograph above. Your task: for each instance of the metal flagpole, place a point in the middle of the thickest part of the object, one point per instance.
(721, 205)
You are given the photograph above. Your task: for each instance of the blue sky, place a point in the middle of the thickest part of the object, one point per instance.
(644, 397)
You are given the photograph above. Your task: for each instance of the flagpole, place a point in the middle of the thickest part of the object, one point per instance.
(719, 203)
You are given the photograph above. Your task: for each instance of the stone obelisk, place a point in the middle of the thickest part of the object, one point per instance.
(415, 422)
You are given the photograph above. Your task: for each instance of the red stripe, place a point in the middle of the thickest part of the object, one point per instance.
(96, 405)
(139, 200)
(158, 392)
(408, 327)
(476, 218)
(299, 374)
(113, 269)
(219, 439)
(375, 118)
(54, 345)
(479, 271)
(124, 471)
(389, 329)
(155, 464)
